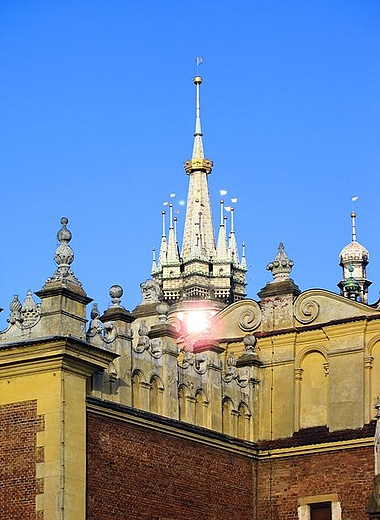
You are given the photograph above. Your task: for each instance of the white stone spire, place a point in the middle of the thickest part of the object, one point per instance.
(172, 254)
(164, 244)
(221, 249)
(232, 245)
(154, 263)
(198, 237)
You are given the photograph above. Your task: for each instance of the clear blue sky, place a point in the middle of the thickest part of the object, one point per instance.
(97, 117)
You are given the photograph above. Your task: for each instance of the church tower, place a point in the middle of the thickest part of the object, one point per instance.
(354, 259)
(203, 269)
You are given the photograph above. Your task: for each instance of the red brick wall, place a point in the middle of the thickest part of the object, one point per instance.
(19, 425)
(348, 473)
(135, 473)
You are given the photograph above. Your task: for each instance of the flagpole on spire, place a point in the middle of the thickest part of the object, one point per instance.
(198, 161)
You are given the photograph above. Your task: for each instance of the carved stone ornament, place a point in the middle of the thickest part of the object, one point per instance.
(250, 318)
(186, 360)
(197, 361)
(200, 363)
(162, 309)
(306, 310)
(281, 266)
(64, 256)
(30, 311)
(116, 292)
(96, 326)
(109, 331)
(15, 308)
(150, 291)
(24, 315)
(231, 370)
(155, 347)
(250, 343)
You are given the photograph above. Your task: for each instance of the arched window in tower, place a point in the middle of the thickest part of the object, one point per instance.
(243, 422)
(201, 409)
(136, 389)
(156, 395)
(229, 417)
(314, 390)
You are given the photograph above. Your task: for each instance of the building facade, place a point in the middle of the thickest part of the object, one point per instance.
(201, 402)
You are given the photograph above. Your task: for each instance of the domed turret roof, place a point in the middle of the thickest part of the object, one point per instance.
(354, 250)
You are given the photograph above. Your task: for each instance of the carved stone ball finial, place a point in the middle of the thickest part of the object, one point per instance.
(64, 255)
(281, 266)
(116, 292)
(162, 309)
(64, 235)
(250, 342)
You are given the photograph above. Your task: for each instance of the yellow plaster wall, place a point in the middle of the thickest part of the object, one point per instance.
(61, 400)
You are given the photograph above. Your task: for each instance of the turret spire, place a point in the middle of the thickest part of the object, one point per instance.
(164, 244)
(353, 220)
(198, 237)
(198, 144)
(354, 259)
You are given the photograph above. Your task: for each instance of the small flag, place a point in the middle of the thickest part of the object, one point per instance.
(199, 60)
(223, 192)
(172, 195)
(234, 200)
(354, 199)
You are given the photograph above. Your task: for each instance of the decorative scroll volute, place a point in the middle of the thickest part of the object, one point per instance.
(250, 318)
(306, 309)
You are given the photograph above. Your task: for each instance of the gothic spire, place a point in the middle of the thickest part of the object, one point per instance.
(202, 270)
(198, 238)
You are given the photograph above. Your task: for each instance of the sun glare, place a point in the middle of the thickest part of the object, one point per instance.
(196, 320)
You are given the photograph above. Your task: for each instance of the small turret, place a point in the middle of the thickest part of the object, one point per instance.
(354, 259)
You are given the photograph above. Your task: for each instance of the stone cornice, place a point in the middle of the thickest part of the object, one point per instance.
(311, 449)
(52, 353)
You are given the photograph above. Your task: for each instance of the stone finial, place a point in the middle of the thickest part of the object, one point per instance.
(15, 308)
(281, 266)
(162, 310)
(30, 311)
(116, 292)
(64, 255)
(250, 343)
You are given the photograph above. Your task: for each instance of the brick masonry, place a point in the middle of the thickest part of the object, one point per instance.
(138, 473)
(19, 424)
(347, 472)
